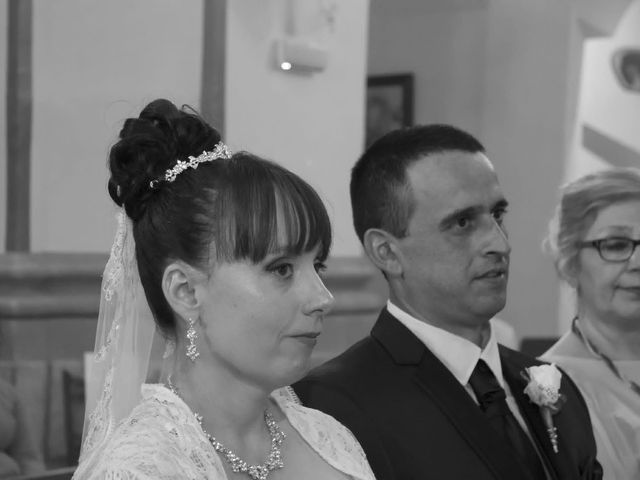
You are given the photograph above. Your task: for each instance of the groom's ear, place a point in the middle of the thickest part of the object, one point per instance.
(182, 285)
(382, 249)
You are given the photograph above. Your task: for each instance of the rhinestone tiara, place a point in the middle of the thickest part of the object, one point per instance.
(219, 151)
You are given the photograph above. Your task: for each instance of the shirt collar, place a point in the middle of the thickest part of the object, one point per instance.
(458, 354)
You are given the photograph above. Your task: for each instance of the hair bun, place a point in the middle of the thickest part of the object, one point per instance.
(148, 146)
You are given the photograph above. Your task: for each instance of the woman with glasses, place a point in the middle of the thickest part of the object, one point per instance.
(594, 238)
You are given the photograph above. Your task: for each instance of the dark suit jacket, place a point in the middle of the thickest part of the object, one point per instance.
(415, 421)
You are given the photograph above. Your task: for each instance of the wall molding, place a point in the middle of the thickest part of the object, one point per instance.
(67, 285)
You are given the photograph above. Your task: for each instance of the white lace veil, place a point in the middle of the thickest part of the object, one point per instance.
(124, 338)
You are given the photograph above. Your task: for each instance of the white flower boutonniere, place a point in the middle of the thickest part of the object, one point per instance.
(543, 389)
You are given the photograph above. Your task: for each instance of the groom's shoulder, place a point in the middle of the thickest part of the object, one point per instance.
(348, 363)
(352, 373)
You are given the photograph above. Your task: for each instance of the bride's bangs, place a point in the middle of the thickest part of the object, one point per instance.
(270, 210)
(302, 221)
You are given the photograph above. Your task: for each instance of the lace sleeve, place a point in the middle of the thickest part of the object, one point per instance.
(134, 458)
(160, 440)
(328, 437)
(116, 474)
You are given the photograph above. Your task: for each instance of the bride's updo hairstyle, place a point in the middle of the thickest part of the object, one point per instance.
(225, 210)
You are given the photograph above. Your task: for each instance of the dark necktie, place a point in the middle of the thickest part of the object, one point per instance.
(493, 402)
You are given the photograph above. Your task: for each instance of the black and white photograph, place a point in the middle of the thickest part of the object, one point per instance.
(319, 240)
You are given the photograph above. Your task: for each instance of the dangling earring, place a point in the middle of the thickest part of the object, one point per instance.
(192, 352)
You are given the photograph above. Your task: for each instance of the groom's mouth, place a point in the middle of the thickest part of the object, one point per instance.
(497, 275)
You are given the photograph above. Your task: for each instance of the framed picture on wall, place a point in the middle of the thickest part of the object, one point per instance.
(389, 104)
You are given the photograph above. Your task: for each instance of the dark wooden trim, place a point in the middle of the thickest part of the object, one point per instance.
(213, 63)
(19, 106)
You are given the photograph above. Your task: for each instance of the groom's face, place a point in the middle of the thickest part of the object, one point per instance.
(455, 257)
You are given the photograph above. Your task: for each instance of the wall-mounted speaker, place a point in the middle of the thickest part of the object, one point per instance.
(295, 54)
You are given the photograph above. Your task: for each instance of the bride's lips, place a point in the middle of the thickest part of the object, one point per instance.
(309, 338)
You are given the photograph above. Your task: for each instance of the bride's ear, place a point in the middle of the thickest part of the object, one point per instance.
(181, 287)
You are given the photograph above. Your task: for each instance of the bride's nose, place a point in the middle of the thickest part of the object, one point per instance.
(319, 299)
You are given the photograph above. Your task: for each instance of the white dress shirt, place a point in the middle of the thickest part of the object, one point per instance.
(460, 356)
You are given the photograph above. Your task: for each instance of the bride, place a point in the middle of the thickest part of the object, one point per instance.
(224, 252)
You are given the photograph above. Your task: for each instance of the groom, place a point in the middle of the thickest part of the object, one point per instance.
(430, 394)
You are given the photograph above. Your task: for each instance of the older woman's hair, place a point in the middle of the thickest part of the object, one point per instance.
(580, 202)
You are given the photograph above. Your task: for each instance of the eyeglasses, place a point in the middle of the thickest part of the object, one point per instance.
(613, 249)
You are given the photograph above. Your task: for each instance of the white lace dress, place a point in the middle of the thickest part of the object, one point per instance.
(161, 439)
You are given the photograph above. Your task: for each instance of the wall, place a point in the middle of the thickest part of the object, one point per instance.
(95, 63)
(310, 123)
(442, 44)
(603, 104)
(524, 129)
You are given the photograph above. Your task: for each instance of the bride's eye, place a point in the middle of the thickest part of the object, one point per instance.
(282, 270)
(320, 267)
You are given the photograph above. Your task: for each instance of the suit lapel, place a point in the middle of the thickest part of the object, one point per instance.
(397, 340)
(533, 418)
(451, 398)
(454, 401)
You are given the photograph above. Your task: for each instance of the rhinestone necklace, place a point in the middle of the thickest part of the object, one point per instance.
(256, 472)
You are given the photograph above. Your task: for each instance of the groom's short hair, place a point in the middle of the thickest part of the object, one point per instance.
(381, 196)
